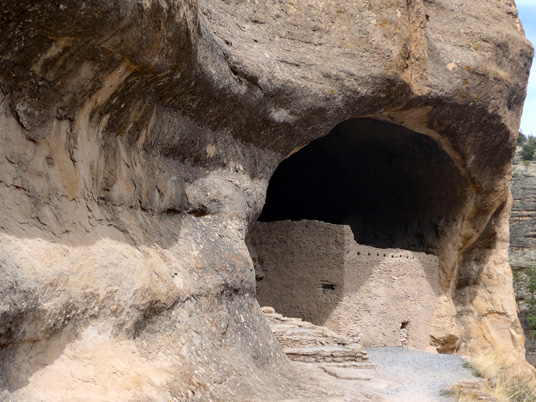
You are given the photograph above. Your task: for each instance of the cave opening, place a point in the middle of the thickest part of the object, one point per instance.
(351, 231)
(394, 187)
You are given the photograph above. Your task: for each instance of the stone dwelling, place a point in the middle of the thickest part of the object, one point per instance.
(353, 232)
(316, 271)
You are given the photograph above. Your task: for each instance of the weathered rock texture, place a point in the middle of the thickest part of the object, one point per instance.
(523, 217)
(316, 271)
(138, 139)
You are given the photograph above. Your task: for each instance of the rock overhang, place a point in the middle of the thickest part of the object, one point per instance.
(162, 118)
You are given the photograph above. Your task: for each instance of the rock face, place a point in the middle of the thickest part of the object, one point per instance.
(316, 271)
(523, 217)
(138, 139)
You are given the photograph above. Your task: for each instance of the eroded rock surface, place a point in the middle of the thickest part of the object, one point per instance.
(138, 139)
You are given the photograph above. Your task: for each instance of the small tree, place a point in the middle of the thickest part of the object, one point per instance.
(527, 154)
(521, 139)
(526, 164)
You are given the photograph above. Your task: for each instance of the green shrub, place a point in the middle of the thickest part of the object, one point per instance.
(527, 153)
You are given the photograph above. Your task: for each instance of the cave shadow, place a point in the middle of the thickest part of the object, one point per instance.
(394, 187)
(300, 267)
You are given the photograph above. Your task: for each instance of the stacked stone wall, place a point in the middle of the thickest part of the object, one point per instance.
(316, 271)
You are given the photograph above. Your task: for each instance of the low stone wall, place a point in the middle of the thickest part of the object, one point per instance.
(316, 271)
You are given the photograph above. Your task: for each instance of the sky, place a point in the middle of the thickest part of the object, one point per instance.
(527, 14)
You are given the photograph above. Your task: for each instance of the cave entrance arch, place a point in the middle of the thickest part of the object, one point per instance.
(351, 230)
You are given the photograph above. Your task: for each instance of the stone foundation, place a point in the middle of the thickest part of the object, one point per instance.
(316, 271)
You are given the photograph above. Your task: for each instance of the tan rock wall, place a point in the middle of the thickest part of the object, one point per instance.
(137, 141)
(316, 271)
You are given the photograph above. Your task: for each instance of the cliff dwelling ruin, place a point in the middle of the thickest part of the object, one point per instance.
(142, 139)
(350, 231)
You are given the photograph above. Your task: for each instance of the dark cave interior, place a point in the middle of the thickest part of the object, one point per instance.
(394, 187)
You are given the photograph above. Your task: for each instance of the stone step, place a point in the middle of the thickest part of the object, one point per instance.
(330, 353)
(305, 342)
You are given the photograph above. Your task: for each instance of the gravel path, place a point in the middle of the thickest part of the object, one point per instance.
(422, 375)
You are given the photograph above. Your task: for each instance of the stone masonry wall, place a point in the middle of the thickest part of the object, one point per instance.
(316, 271)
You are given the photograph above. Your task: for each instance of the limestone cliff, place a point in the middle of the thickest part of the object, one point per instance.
(523, 217)
(138, 139)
